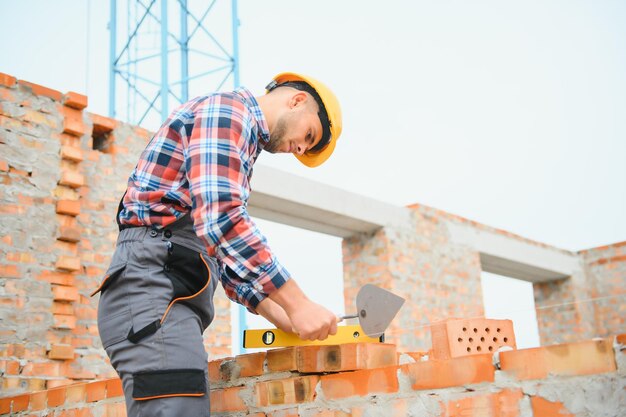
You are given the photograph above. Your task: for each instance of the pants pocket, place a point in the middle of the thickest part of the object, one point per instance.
(148, 385)
(114, 328)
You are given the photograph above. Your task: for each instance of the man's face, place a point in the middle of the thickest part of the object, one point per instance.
(297, 130)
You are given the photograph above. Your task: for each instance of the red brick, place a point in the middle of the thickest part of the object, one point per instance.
(279, 360)
(250, 364)
(102, 124)
(502, 404)
(69, 207)
(76, 393)
(114, 388)
(38, 401)
(75, 100)
(286, 391)
(41, 369)
(4, 165)
(544, 408)
(583, 358)
(9, 271)
(62, 321)
(7, 80)
(40, 90)
(62, 293)
(215, 372)
(115, 410)
(68, 263)
(63, 352)
(96, 391)
(72, 153)
(362, 383)
(450, 373)
(347, 357)
(69, 234)
(56, 397)
(20, 403)
(56, 277)
(228, 400)
(462, 337)
(71, 178)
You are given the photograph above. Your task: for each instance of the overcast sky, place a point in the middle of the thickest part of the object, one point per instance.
(508, 113)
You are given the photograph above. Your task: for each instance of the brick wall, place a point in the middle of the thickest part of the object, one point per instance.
(365, 380)
(62, 172)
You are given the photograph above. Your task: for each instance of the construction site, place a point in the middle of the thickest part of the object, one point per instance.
(63, 170)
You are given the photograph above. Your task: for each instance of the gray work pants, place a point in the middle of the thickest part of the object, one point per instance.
(156, 301)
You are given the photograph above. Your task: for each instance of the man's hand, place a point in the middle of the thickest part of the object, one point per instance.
(309, 320)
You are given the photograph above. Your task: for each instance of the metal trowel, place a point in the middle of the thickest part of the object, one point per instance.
(376, 308)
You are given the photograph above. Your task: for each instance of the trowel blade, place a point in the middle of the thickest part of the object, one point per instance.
(376, 308)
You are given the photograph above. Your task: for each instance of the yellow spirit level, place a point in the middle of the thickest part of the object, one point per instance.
(266, 338)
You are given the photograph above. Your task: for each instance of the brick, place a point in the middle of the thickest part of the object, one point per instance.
(115, 410)
(76, 393)
(7, 80)
(280, 360)
(69, 234)
(96, 391)
(38, 401)
(72, 153)
(40, 90)
(20, 403)
(450, 373)
(75, 100)
(215, 373)
(502, 404)
(250, 364)
(346, 357)
(68, 263)
(4, 166)
(462, 337)
(62, 293)
(228, 400)
(71, 179)
(62, 321)
(102, 124)
(41, 369)
(62, 352)
(544, 408)
(56, 397)
(9, 271)
(69, 207)
(114, 388)
(57, 277)
(286, 391)
(583, 358)
(361, 383)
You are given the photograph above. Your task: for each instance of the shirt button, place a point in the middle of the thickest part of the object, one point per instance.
(167, 267)
(167, 234)
(153, 233)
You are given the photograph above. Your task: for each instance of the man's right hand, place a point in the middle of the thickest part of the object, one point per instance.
(310, 321)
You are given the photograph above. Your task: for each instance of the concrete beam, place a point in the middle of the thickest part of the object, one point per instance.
(515, 258)
(296, 201)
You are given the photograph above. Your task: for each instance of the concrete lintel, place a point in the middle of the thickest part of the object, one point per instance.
(296, 201)
(512, 257)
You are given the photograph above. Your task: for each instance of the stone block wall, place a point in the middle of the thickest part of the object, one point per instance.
(62, 173)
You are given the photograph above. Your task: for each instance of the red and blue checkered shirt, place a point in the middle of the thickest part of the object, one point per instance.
(200, 161)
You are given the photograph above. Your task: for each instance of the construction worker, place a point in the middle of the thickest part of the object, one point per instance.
(184, 226)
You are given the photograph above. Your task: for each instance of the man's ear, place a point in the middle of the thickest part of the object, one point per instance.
(298, 99)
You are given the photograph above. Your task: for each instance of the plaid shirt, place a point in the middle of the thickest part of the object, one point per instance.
(201, 161)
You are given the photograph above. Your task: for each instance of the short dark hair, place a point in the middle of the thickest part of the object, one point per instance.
(323, 115)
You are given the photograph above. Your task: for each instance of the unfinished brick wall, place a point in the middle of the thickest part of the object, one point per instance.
(437, 278)
(366, 380)
(62, 172)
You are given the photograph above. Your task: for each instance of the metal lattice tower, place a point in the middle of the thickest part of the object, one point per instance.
(163, 52)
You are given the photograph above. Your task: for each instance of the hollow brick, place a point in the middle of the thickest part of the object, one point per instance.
(462, 337)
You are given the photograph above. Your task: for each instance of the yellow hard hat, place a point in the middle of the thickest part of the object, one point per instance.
(331, 126)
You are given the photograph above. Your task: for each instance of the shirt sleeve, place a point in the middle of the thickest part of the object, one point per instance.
(217, 171)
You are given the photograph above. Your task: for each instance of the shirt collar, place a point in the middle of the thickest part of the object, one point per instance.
(253, 104)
